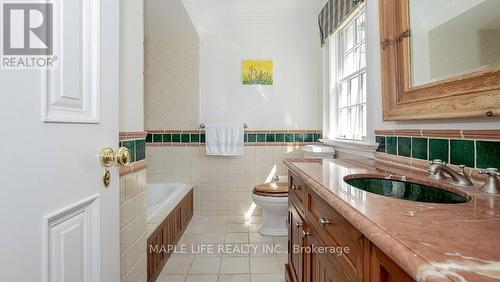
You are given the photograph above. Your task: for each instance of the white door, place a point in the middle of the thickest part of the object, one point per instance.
(57, 220)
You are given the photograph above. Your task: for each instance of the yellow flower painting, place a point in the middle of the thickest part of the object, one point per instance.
(257, 72)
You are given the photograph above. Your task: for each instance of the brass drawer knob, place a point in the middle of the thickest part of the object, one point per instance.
(323, 222)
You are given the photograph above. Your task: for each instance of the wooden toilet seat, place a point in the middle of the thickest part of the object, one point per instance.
(273, 189)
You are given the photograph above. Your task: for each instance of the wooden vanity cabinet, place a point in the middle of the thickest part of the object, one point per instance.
(313, 223)
(383, 269)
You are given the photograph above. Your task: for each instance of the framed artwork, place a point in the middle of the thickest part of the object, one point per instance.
(257, 72)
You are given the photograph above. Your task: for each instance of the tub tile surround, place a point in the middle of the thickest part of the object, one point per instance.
(171, 82)
(222, 185)
(247, 265)
(474, 148)
(133, 207)
(133, 234)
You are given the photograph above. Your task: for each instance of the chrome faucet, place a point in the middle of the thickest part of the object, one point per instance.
(437, 167)
(491, 185)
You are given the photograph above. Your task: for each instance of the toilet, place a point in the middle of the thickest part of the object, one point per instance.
(273, 199)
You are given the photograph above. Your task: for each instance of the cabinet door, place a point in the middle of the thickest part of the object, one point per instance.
(295, 243)
(383, 269)
(321, 267)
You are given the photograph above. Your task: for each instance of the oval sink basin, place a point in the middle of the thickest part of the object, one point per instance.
(406, 191)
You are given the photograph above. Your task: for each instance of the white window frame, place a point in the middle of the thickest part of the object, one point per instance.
(334, 62)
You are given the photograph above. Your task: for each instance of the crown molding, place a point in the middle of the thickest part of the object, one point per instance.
(200, 18)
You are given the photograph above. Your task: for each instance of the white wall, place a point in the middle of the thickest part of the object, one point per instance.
(374, 98)
(131, 65)
(292, 102)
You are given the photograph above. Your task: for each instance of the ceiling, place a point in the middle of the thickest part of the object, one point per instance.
(246, 7)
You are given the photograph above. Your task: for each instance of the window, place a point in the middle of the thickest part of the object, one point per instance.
(347, 79)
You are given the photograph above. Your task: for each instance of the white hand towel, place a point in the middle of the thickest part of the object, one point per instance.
(224, 140)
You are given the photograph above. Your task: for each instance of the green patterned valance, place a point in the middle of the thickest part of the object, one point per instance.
(333, 14)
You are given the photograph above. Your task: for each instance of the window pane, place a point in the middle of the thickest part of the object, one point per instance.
(349, 63)
(362, 56)
(354, 91)
(343, 94)
(360, 23)
(363, 88)
(349, 38)
(363, 121)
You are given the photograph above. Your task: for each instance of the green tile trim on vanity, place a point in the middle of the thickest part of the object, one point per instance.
(469, 152)
(198, 137)
(404, 146)
(488, 154)
(419, 148)
(462, 152)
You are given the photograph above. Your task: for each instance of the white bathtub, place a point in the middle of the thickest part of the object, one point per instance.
(164, 197)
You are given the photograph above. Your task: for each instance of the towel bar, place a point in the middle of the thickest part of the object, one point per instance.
(202, 126)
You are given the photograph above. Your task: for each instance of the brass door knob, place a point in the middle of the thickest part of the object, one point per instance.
(121, 158)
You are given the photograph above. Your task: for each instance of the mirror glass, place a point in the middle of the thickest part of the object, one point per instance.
(453, 37)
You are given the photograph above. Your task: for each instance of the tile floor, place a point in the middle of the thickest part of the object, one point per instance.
(224, 249)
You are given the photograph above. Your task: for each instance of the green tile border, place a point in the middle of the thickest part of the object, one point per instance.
(278, 136)
(472, 153)
(136, 147)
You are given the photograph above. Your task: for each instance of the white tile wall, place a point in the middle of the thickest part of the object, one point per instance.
(171, 68)
(133, 227)
(222, 185)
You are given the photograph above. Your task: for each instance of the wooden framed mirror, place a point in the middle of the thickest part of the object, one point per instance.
(440, 59)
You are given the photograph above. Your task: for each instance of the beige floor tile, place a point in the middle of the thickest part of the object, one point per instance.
(236, 219)
(253, 227)
(235, 265)
(263, 250)
(280, 239)
(237, 227)
(177, 265)
(282, 260)
(216, 227)
(205, 266)
(190, 238)
(236, 238)
(213, 238)
(235, 278)
(196, 228)
(201, 278)
(268, 277)
(268, 265)
(258, 238)
(171, 278)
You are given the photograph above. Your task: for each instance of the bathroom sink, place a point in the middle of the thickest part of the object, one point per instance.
(406, 190)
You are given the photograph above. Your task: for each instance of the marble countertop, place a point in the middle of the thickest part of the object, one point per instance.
(431, 242)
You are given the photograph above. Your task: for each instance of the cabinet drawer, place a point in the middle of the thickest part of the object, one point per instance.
(297, 191)
(338, 232)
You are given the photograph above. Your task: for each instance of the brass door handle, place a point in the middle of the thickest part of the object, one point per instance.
(296, 187)
(121, 158)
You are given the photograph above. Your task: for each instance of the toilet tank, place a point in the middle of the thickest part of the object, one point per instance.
(318, 152)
